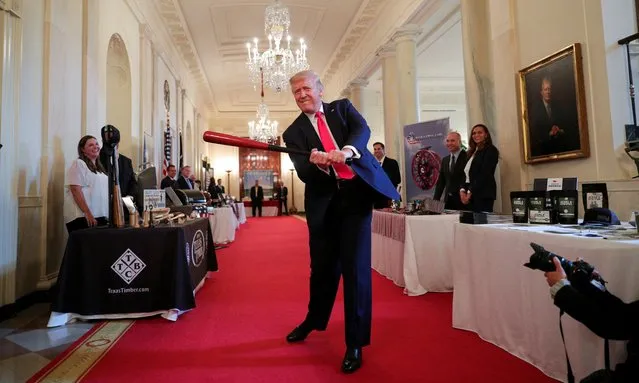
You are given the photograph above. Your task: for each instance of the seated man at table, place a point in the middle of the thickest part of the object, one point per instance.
(604, 314)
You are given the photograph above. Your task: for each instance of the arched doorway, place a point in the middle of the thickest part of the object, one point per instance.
(119, 96)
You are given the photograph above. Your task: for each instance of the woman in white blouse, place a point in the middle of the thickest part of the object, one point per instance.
(87, 192)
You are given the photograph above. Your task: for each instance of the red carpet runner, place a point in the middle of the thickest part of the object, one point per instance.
(237, 331)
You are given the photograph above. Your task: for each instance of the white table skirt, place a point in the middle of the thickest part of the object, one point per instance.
(422, 262)
(241, 212)
(223, 223)
(267, 211)
(510, 305)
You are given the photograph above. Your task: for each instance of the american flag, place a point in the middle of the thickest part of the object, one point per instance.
(167, 148)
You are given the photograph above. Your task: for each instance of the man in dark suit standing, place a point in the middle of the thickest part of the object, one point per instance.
(282, 196)
(451, 173)
(184, 180)
(169, 180)
(391, 167)
(257, 196)
(126, 175)
(339, 205)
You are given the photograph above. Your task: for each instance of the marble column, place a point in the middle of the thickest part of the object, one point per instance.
(10, 72)
(356, 87)
(392, 131)
(485, 90)
(405, 57)
(477, 62)
(404, 40)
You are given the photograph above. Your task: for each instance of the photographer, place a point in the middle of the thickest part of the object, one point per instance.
(604, 314)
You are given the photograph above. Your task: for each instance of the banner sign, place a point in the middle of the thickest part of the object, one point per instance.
(424, 148)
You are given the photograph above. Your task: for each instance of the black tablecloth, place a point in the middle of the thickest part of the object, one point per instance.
(127, 270)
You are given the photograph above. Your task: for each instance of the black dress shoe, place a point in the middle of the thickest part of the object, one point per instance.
(352, 360)
(298, 334)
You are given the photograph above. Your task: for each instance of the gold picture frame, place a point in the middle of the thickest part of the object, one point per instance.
(553, 108)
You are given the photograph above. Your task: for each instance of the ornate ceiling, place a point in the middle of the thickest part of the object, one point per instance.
(211, 36)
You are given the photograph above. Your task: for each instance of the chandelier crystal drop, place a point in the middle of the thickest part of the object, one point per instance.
(278, 62)
(262, 129)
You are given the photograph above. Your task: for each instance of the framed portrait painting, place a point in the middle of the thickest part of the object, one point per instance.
(553, 108)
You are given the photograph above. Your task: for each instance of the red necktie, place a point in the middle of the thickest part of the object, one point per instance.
(342, 170)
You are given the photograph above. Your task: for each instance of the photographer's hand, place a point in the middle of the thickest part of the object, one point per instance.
(553, 277)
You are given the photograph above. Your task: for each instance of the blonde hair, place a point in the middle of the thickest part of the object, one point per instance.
(307, 74)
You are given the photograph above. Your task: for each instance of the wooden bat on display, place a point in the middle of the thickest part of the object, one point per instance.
(228, 140)
(118, 212)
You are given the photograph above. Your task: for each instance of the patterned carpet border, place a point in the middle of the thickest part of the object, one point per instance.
(78, 360)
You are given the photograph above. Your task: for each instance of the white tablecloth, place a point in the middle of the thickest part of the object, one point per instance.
(420, 263)
(267, 211)
(223, 223)
(510, 305)
(241, 212)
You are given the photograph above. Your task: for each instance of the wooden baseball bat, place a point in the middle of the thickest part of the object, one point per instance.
(228, 140)
(118, 213)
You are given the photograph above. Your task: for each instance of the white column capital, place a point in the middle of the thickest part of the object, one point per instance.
(12, 6)
(358, 83)
(388, 50)
(408, 32)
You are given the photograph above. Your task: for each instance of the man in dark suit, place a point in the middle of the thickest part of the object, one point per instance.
(169, 180)
(257, 196)
(553, 128)
(184, 180)
(339, 204)
(126, 175)
(451, 173)
(219, 186)
(604, 314)
(281, 194)
(391, 167)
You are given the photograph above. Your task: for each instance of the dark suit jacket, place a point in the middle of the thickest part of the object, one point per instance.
(127, 180)
(482, 174)
(450, 182)
(257, 195)
(348, 128)
(284, 193)
(167, 182)
(608, 317)
(541, 142)
(391, 167)
(183, 183)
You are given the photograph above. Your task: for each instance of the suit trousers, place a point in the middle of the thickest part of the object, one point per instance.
(342, 246)
(256, 205)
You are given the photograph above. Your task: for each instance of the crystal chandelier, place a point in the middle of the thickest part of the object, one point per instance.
(278, 63)
(262, 129)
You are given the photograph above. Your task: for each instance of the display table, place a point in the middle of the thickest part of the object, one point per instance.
(109, 273)
(270, 208)
(510, 305)
(223, 223)
(414, 250)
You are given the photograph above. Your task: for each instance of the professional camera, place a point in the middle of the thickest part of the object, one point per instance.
(579, 273)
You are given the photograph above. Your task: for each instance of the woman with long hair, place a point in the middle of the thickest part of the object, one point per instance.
(87, 192)
(480, 190)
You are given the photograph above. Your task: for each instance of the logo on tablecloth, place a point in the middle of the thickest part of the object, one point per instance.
(198, 248)
(128, 266)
